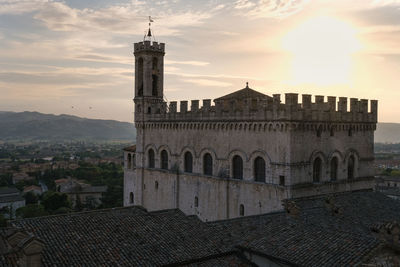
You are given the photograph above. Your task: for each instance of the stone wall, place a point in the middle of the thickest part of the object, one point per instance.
(268, 109)
(217, 198)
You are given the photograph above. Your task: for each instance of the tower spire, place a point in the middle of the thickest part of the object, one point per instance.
(149, 35)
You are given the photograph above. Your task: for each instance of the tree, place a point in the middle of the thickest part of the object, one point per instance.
(62, 210)
(31, 198)
(6, 179)
(31, 210)
(3, 221)
(52, 201)
(78, 203)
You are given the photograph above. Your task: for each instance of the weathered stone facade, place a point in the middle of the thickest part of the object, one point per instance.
(245, 154)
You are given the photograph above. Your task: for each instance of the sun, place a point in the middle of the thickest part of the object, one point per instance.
(322, 49)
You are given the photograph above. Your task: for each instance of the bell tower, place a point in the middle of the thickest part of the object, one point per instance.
(149, 76)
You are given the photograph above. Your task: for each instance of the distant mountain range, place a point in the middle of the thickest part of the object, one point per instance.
(38, 126)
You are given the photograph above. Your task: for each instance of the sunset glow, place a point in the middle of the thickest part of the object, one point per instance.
(321, 49)
(58, 54)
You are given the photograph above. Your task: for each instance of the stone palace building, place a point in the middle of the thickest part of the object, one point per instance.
(243, 153)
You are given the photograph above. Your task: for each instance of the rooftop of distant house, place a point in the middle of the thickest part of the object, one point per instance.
(10, 194)
(130, 148)
(32, 188)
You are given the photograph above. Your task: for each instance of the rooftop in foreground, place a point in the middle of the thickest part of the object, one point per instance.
(336, 230)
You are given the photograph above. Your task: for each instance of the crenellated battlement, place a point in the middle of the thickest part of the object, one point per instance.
(149, 46)
(328, 109)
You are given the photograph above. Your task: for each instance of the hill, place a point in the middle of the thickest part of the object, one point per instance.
(38, 126)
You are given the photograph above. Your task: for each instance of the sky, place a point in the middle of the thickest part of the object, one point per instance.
(75, 56)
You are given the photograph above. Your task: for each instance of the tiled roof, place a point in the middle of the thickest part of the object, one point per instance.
(32, 187)
(61, 181)
(121, 237)
(327, 231)
(243, 94)
(231, 259)
(86, 189)
(335, 234)
(10, 199)
(8, 190)
(130, 148)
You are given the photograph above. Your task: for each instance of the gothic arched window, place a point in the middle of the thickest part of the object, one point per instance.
(237, 166)
(350, 132)
(188, 162)
(196, 202)
(164, 160)
(207, 164)
(155, 64)
(154, 91)
(241, 210)
(129, 161)
(259, 169)
(334, 168)
(151, 158)
(131, 200)
(154, 77)
(317, 170)
(140, 77)
(332, 132)
(319, 131)
(350, 167)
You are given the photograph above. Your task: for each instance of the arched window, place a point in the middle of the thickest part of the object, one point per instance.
(332, 131)
(154, 91)
(140, 77)
(129, 161)
(259, 169)
(155, 64)
(319, 131)
(237, 166)
(241, 210)
(350, 167)
(151, 158)
(149, 110)
(334, 168)
(164, 160)
(207, 164)
(131, 199)
(317, 170)
(154, 77)
(196, 202)
(156, 185)
(188, 162)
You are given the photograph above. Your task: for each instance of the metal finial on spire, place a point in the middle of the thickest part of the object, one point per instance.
(149, 31)
(247, 84)
(149, 35)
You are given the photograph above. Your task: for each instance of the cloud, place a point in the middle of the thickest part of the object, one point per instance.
(18, 7)
(385, 3)
(205, 82)
(269, 8)
(81, 77)
(118, 19)
(190, 62)
(244, 4)
(215, 76)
